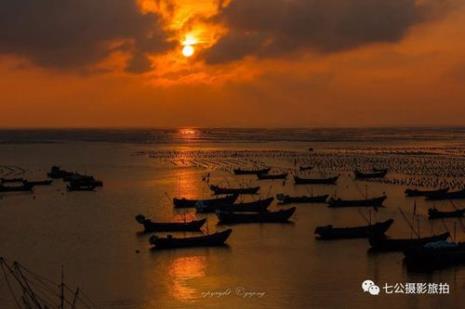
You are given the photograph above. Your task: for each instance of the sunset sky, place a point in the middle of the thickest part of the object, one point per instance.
(238, 63)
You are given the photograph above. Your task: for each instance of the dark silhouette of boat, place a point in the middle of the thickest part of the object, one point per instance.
(434, 213)
(272, 176)
(329, 232)
(11, 180)
(369, 202)
(170, 242)
(217, 190)
(383, 243)
(434, 256)
(240, 171)
(189, 203)
(305, 168)
(17, 188)
(416, 192)
(150, 226)
(279, 216)
(454, 195)
(77, 186)
(360, 175)
(255, 206)
(315, 181)
(287, 199)
(83, 179)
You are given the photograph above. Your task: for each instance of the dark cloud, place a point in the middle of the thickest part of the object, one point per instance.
(267, 28)
(68, 34)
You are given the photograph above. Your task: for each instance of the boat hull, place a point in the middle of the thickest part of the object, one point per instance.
(329, 232)
(280, 216)
(212, 240)
(392, 244)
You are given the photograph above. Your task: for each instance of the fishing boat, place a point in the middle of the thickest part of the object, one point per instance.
(255, 206)
(272, 176)
(416, 192)
(83, 179)
(360, 175)
(454, 195)
(279, 216)
(383, 243)
(150, 226)
(434, 255)
(329, 232)
(190, 203)
(315, 181)
(11, 180)
(76, 186)
(17, 188)
(304, 199)
(217, 190)
(239, 171)
(170, 242)
(434, 213)
(369, 202)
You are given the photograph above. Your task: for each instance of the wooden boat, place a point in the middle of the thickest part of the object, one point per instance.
(150, 226)
(83, 179)
(246, 190)
(305, 168)
(383, 243)
(170, 242)
(76, 186)
(188, 203)
(21, 188)
(315, 181)
(416, 192)
(287, 199)
(272, 176)
(279, 216)
(255, 206)
(360, 175)
(370, 202)
(435, 255)
(11, 180)
(239, 171)
(330, 232)
(433, 213)
(38, 182)
(454, 195)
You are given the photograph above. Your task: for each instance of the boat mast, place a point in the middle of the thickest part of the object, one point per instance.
(62, 288)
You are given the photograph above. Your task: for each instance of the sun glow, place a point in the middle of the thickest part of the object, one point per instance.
(189, 43)
(188, 51)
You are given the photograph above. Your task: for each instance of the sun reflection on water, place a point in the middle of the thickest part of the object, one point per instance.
(181, 272)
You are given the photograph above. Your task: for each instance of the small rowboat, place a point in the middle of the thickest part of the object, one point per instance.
(239, 171)
(361, 175)
(383, 243)
(454, 195)
(150, 226)
(271, 176)
(279, 216)
(246, 190)
(371, 202)
(170, 242)
(287, 199)
(330, 232)
(190, 203)
(416, 192)
(315, 181)
(433, 213)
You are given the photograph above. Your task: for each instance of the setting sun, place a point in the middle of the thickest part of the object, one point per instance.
(188, 50)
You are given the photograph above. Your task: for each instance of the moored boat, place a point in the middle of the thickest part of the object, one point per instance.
(375, 174)
(369, 202)
(170, 242)
(435, 255)
(329, 232)
(17, 188)
(454, 195)
(434, 213)
(279, 216)
(38, 182)
(304, 199)
(56, 173)
(416, 192)
(254, 206)
(150, 226)
(217, 190)
(76, 186)
(190, 203)
(240, 171)
(383, 243)
(272, 176)
(11, 180)
(315, 181)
